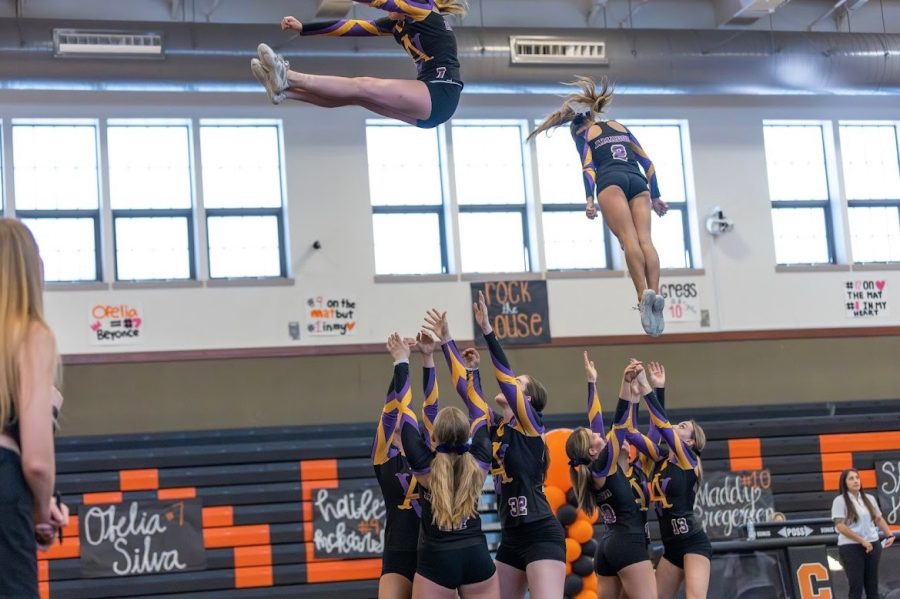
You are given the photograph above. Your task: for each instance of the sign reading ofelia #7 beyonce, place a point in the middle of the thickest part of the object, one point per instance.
(141, 537)
(119, 324)
(348, 521)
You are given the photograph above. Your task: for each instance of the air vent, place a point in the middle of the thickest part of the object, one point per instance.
(106, 44)
(555, 50)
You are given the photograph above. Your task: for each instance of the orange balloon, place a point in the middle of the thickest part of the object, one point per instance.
(555, 497)
(586, 594)
(568, 568)
(573, 550)
(558, 473)
(581, 531)
(592, 518)
(589, 583)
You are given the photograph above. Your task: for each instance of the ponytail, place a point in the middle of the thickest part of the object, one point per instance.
(452, 7)
(577, 446)
(574, 104)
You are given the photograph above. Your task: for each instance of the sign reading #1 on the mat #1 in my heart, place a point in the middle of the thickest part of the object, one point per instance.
(141, 537)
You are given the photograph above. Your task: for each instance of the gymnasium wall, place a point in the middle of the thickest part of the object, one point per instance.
(328, 201)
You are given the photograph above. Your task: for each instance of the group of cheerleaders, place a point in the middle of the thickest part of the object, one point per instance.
(618, 175)
(432, 478)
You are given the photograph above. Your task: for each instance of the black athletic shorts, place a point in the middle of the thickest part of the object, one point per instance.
(632, 184)
(453, 568)
(444, 100)
(526, 543)
(18, 559)
(399, 562)
(617, 551)
(675, 550)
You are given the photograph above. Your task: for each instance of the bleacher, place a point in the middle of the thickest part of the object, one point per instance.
(255, 484)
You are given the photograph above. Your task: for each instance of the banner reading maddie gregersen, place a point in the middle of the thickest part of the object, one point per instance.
(348, 521)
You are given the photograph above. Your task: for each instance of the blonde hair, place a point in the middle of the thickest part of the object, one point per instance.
(21, 305)
(697, 448)
(596, 102)
(452, 7)
(577, 446)
(456, 480)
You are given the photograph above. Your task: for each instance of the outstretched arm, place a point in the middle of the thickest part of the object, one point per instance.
(647, 164)
(344, 27)
(594, 410)
(465, 378)
(426, 344)
(386, 424)
(684, 456)
(417, 9)
(657, 380)
(527, 421)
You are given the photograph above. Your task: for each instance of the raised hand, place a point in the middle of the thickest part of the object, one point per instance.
(437, 323)
(660, 207)
(635, 390)
(291, 23)
(425, 343)
(589, 369)
(481, 314)
(398, 347)
(657, 375)
(471, 358)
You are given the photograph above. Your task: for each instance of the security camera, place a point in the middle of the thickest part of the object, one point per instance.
(717, 223)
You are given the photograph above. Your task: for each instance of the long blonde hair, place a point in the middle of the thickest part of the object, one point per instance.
(577, 446)
(587, 96)
(21, 304)
(697, 448)
(456, 480)
(452, 7)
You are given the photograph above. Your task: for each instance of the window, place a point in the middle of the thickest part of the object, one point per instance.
(151, 198)
(872, 185)
(407, 199)
(57, 195)
(490, 192)
(665, 144)
(571, 241)
(799, 191)
(242, 197)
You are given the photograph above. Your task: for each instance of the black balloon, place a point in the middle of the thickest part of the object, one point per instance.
(574, 584)
(589, 548)
(566, 514)
(583, 566)
(570, 497)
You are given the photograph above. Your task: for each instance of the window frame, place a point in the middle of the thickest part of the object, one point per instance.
(419, 209)
(127, 213)
(868, 203)
(827, 206)
(278, 212)
(687, 176)
(95, 214)
(523, 210)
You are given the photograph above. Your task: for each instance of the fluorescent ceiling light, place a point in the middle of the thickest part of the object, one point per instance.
(86, 43)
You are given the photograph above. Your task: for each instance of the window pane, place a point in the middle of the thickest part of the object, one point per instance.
(241, 166)
(871, 166)
(492, 242)
(152, 248)
(662, 143)
(572, 241)
(795, 157)
(487, 161)
(67, 247)
(149, 167)
(395, 234)
(668, 239)
(559, 169)
(800, 235)
(55, 167)
(243, 246)
(875, 234)
(404, 166)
